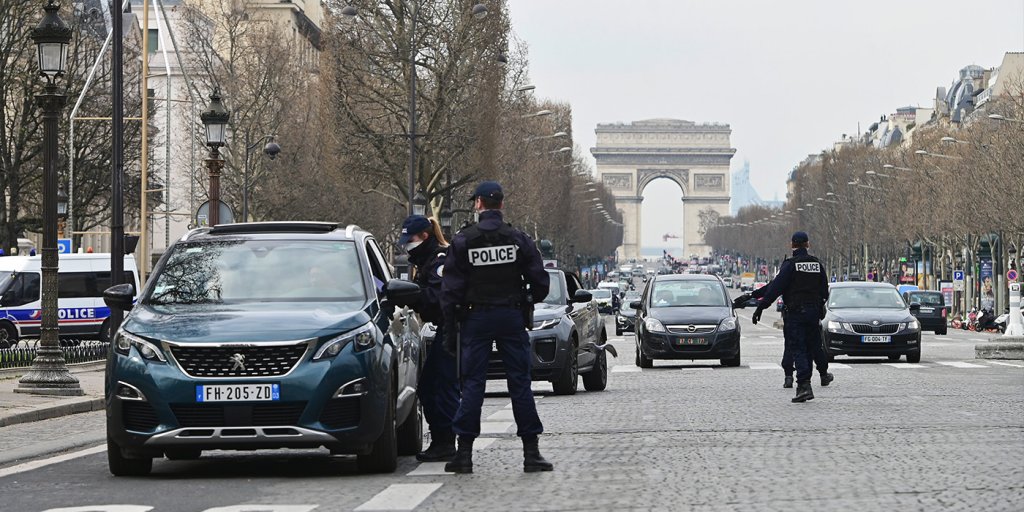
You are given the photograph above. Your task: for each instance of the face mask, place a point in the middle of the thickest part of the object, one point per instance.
(409, 247)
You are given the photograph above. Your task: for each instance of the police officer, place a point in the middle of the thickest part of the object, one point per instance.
(489, 264)
(438, 389)
(804, 289)
(820, 361)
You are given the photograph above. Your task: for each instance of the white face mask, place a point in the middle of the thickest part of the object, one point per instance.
(412, 245)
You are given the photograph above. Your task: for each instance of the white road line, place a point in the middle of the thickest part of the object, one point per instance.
(961, 364)
(688, 369)
(243, 508)
(763, 366)
(400, 497)
(977, 339)
(483, 443)
(905, 365)
(840, 366)
(502, 415)
(769, 337)
(625, 369)
(430, 469)
(1000, 363)
(42, 463)
(495, 427)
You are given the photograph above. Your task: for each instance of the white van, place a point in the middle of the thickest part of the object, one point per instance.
(81, 280)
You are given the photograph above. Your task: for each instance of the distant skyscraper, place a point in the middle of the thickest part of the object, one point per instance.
(743, 193)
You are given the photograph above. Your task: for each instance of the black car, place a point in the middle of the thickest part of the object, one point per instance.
(933, 312)
(686, 316)
(870, 319)
(625, 318)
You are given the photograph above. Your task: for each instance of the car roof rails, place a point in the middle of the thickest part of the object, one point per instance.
(351, 229)
(273, 227)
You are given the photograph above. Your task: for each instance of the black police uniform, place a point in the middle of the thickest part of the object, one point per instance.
(804, 289)
(820, 361)
(487, 266)
(438, 389)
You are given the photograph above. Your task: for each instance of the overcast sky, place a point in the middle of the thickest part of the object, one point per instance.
(790, 77)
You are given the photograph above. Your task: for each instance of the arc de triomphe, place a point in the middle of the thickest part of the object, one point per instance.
(695, 156)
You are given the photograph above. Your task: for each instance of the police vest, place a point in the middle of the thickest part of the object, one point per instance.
(805, 287)
(494, 277)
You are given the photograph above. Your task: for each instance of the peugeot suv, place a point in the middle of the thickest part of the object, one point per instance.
(265, 335)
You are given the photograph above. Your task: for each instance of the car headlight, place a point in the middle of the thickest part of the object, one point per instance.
(728, 324)
(834, 326)
(124, 341)
(653, 325)
(913, 325)
(545, 324)
(363, 337)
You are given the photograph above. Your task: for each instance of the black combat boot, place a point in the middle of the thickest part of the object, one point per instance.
(803, 392)
(788, 383)
(826, 379)
(463, 460)
(533, 461)
(442, 448)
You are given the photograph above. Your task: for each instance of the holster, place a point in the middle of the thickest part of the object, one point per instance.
(527, 309)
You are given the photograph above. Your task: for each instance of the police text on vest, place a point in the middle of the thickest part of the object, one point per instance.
(492, 255)
(808, 267)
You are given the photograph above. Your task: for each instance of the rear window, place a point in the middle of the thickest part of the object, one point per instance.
(926, 299)
(601, 294)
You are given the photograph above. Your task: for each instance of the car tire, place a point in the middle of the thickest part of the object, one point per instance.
(914, 357)
(894, 357)
(597, 378)
(183, 454)
(643, 361)
(383, 456)
(568, 380)
(618, 332)
(732, 361)
(8, 335)
(119, 465)
(941, 332)
(410, 432)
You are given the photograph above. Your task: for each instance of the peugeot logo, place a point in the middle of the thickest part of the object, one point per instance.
(691, 328)
(239, 361)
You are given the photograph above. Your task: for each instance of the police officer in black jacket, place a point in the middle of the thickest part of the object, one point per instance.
(438, 389)
(804, 289)
(488, 267)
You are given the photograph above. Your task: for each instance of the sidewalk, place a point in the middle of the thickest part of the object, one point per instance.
(22, 408)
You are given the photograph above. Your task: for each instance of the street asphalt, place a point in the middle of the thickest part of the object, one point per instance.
(946, 434)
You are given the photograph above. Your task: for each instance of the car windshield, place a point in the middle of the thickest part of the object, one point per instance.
(237, 271)
(631, 296)
(927, 299)
(601, 294)
(865, 297)
(687, 293)
(556, 293)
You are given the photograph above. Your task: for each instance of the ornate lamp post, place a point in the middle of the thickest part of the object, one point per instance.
(446, 220)
(62, 211)
(49, 375)
(271, 149)
(215, 119)
(419, 203)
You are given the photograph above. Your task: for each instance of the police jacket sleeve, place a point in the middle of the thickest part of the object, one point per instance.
(774, 289)
(453, 281)
(533, 268)
(429, 306)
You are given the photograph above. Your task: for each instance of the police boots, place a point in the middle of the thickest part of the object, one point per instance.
(442, 448)
(788, 383)
(463, 461)
(533, 461)
(826, 379)
(803, 392)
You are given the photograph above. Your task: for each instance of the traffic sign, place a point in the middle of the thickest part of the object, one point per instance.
(1011, 275)
(958, 275)
(64, 246)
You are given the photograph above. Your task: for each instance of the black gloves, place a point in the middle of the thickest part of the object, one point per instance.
(741, 301)
(757, 315)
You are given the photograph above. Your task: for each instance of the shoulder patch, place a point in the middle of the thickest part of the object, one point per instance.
(439, 271)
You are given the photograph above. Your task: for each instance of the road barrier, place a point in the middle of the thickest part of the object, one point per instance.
(75, 351)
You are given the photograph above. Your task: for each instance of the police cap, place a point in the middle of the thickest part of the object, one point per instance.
(488, 189)
(800, 237)
(413, 225)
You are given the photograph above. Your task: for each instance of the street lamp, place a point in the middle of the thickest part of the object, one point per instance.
(215, 119)
(271, 149)
(62, 211)
(419, 203)
(880, 175)
(539, 113)
(49, 374)
(446, 220)
(999, 117)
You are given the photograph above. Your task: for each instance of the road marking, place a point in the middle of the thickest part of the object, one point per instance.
(840, 366)
(430, 469)
(625, 369)
(763, 366)
(769, 337)
(483, 443)
(264, 508)
(961, 364)
(502, 415)
(42, 463)
(689, 369)
(1006, 364)
(977, 339)
(103, 508)
(495, 427)
(400, 497)
(905, 365)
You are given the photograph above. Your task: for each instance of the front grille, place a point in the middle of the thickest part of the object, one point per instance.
(231, 415)
(251, 361)
(697, 329)
(341, 412)
(545, 349)
(875, 329)
(138, 416)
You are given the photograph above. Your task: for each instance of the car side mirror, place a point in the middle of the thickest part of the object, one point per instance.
(402, 293)
(636, 305)
(915, 307)
(120, 296)
(582, 296)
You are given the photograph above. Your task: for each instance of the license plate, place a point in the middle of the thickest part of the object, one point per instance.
(692, 341)
(238, 393)
(927, 310)
(876, 339)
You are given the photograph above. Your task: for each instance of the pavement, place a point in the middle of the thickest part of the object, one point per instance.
(18, 408)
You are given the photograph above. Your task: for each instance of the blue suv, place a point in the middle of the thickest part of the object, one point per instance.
(265, 335)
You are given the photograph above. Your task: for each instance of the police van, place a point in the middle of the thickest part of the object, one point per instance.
(81, 280)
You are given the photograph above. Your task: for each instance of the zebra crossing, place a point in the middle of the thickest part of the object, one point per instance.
(629, 368)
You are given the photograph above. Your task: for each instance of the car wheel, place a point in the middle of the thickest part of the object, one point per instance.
(567, 381)
(618, 331)
(643, 361)
(8, 335)
(732, 361)
(597, 379)
(120, 465)
(895, 357)
(941, 332)
(383, 456)
(410, 432)
(914, 357)
(183, 454)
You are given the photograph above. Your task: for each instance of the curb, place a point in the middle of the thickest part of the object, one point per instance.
(75, 367)
(46, 412)
(1011, 347)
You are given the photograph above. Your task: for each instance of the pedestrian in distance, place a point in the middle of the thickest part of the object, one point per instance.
(490, 265)
(804, 289)
(438, 388)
